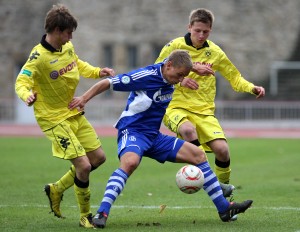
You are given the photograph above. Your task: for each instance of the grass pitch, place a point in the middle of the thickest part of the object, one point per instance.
(265, 170)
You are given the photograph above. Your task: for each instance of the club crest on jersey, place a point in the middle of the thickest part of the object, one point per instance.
(132, 138)
(125, 80)
(70, 52)
(208, 53)
(159, 97)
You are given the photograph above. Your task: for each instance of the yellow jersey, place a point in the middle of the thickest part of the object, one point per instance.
(54, 76)
(202, 101)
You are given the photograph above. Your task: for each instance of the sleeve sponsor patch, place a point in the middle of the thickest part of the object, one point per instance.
(26, 72)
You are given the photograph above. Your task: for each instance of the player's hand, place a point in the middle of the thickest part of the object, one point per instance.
(189, 83)
(31, 99)
(259, 91)
(202, 70)
(105, 72)
(77, 102)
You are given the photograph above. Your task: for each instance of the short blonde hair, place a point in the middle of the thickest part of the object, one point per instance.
(180, 58)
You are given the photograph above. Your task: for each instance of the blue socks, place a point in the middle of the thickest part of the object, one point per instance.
(117, 181)
(212, 187)
(114, 187)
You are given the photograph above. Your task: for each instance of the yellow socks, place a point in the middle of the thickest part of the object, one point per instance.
(83, 199)
(223, 174)
(66, 181)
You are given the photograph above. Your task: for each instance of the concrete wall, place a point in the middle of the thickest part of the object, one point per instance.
(253, 33)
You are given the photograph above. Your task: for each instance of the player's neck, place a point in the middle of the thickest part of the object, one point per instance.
(53, 41)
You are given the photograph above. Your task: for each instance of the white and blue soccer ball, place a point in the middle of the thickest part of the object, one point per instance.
(189, 179)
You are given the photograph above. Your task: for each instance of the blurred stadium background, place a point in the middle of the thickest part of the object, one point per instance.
(262, 38)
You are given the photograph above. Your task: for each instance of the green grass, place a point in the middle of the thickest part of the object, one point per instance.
(265, 170)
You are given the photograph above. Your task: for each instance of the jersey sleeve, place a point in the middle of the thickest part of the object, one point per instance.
(232, 74)
(140, 79)
(165, 52)
(86, 70)
(125, 83)
(25, 79)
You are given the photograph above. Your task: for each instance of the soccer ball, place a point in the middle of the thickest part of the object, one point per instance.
(189, 179)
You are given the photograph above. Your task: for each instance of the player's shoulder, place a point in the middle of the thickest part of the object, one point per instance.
(175, 42)
(69, 45)
(151, 69)
(36, 54)
(214, 46)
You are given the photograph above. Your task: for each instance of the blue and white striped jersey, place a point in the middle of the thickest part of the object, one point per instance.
(149, 97)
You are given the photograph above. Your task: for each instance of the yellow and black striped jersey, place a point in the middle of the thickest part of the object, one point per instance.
(201, 101)
(54, 76)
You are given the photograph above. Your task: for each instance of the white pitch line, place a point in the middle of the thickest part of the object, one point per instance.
(156, 207)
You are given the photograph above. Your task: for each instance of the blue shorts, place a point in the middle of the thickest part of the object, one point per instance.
(159, 147)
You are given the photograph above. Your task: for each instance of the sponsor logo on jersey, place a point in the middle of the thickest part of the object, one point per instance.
(204, 63)
(159, 97)
(33, 55)
(64, 142)
(53, 61)
(68, 68)
(26, 72)
(55, 74)
(169, 44)
(217, 132)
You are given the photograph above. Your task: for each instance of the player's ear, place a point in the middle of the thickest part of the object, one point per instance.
(189, 27)
(169, 64)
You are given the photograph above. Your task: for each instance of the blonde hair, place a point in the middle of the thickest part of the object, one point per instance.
(180, 58)
(201, 15)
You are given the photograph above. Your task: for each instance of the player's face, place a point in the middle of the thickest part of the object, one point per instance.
(65, 36)
(199, 33)
(174, 75)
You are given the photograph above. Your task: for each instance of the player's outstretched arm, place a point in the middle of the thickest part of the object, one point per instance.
(79, 102)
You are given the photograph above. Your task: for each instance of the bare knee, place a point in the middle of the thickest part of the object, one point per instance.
(221, 149)
(96, 157)
(129, 162)
(188, 131)
(191, 154)
(83, 171)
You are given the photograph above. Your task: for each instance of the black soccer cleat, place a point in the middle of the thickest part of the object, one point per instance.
(99, 220)
(234, 209)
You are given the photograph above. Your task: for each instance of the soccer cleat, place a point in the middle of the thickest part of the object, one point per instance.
(234, 209)
(54, 198)
(227, 189)
(86, 221)
(99, 220)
